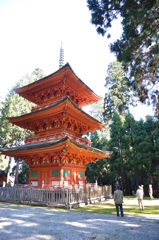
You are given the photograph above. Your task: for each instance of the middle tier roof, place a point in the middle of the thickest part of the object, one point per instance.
(65, 110)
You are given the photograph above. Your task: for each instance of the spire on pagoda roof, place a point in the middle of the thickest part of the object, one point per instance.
(61, 60)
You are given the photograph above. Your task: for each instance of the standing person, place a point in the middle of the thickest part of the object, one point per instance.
(118, 199)
(151, 192)
(139, 195)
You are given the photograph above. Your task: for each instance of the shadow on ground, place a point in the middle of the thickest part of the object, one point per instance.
(26, 222)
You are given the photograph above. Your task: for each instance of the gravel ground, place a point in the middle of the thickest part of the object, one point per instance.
(27, 222)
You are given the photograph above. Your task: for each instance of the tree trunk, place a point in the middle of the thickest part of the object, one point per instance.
(137, 181)
(124, 184)
(8, 172)
(16, 173)
(149, 176)
(129, 187)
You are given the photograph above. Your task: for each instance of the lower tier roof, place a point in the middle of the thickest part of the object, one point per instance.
(65, 147)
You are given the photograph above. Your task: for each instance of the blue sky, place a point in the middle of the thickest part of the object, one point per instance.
(31, 35)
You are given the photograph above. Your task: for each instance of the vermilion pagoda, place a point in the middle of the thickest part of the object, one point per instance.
(57, 154)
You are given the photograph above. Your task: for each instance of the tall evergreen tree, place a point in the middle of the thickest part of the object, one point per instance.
(96, 111)
(98, 171)
(152, 128)
(138, 47)
(138, 146)
(116, 161)
(118, 91)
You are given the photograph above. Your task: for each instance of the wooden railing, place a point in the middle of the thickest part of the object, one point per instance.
(56, 135)
(53, 187)
(59, 196)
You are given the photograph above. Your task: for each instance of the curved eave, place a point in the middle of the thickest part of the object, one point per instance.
(54, 109)
(54, 145)
(101, 154)
(49, 81)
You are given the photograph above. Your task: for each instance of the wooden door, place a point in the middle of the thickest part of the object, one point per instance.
(44, 178)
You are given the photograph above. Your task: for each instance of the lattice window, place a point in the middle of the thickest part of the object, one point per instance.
(66, 173)
(34, 173)
(81, 174)
(55, 173)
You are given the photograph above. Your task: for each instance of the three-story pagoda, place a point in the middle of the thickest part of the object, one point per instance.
(58, 153)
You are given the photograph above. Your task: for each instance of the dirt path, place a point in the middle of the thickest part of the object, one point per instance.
(20, 222)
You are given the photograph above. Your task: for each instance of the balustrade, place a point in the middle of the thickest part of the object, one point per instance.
(39, 138)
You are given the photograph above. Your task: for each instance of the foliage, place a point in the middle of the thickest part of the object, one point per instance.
(116, 147)
(15, 105)
(118, 91)
(138, 47)
(137, 150)
(3, 162)
(134, 160)
(23, 173)
(96, 111)
(99, 170)
(152, 129)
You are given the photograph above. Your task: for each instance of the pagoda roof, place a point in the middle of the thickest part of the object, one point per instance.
(55, 145)
(49, 81)
(64, 105)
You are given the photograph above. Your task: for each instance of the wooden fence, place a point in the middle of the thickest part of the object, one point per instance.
(55, 197)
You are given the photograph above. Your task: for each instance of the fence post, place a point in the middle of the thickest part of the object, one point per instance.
(89, 191)
(78, 196)
(31, 194)
(68, 198)
(47, 195)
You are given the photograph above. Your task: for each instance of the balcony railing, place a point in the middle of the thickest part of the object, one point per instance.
(40, 138)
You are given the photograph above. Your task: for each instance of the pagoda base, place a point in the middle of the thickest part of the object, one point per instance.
(57, 176)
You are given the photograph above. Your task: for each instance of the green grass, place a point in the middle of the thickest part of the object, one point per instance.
(130, 207)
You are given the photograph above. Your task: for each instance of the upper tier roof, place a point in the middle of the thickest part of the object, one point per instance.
(69, 84)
